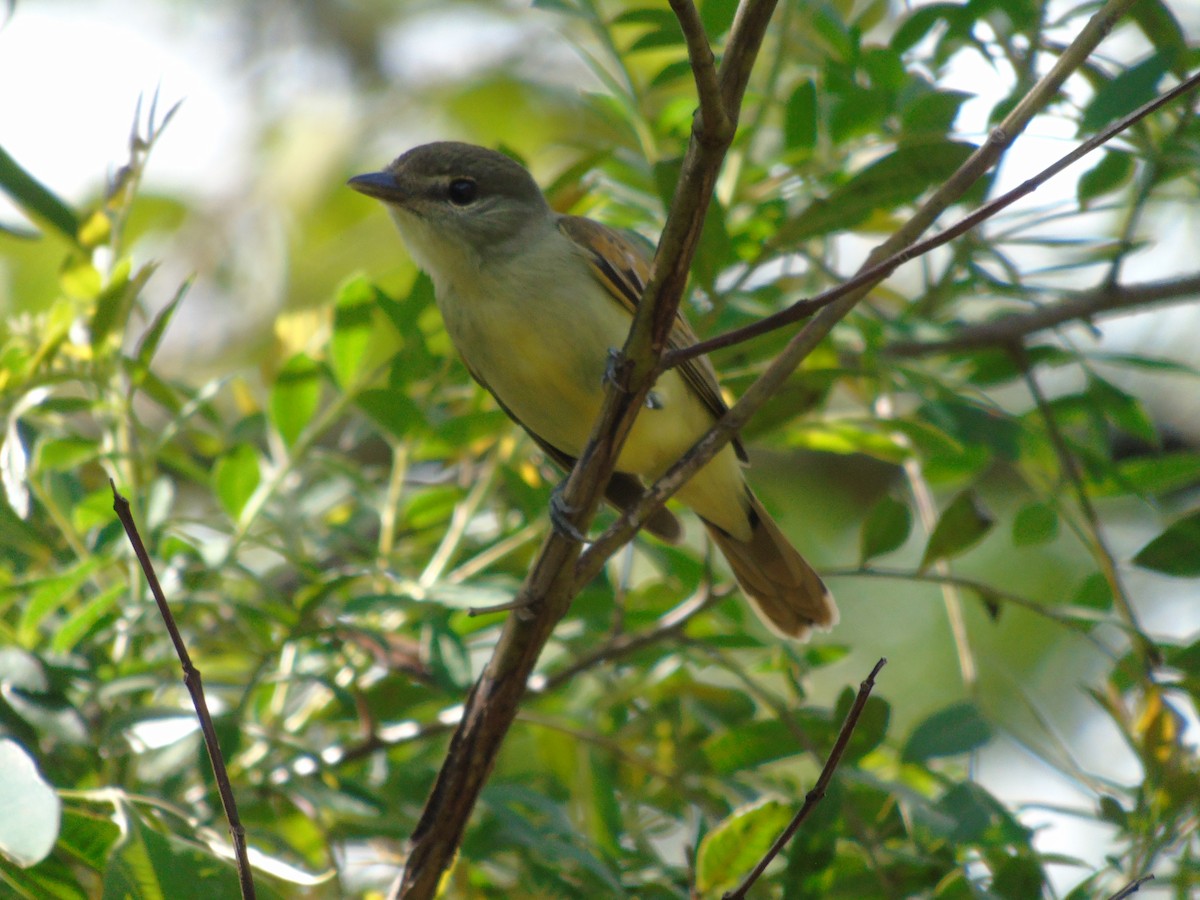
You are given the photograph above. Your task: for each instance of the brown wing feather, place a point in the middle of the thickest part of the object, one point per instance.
(622, 265)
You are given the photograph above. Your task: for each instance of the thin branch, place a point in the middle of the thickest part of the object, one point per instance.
(704, 71)
(784, 710)
(1107, 299)
(195, 687)
(879, 267)
(1100, 550)
(624, 644)
(1132, 888)
(987, 592)
(817, 794)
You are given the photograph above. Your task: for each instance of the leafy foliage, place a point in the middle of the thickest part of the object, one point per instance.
(323, 519)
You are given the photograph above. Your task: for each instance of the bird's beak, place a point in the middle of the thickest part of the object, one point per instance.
(380, 185)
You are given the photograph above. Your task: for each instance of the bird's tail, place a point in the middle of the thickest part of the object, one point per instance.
(782, 587)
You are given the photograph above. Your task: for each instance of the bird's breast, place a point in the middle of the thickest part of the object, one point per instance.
(540, 345)
(540, 339)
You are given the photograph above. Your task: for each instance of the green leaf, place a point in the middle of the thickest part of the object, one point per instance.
(656, 38)
(872, 724)
(1123, 410)
(800, 117)
(148, 343)
(979, 818)
(1160, 26)
(45, 596)
(448, 659)
(731, 849)
(1125, 93)
(36, 199)
(235, 478)
(394, 411)
(1093, 592)
(1154, 475)
(353, 329)
(80, 622)
(975, 425)
(149, 866)
(88, 836)
(1035, 523)
(717, 16)
(1176, 551)
(1112, 171)
(956, 729)
(899, 178)
(295, 396)
(921, 20)
(65, 454)
(30, 827)
(961, 526)
(932, 114)
(814, 847)
(886, 527)
(1018, 877)
(749, 746)
(839, 40)
(1111, 811)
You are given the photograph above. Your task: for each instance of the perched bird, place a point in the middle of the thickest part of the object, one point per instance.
(534, 301)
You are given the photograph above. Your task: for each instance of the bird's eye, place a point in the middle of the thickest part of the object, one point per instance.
(463, 191)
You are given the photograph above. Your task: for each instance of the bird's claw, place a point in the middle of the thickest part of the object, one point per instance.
(560, 516)
(610, 368)
(653, 401)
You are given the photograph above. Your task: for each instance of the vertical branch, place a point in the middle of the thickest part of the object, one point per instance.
(492, 702)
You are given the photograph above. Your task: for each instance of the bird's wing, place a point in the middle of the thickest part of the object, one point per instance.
(621, 263)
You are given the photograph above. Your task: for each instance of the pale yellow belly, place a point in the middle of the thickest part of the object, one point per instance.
(545, 362)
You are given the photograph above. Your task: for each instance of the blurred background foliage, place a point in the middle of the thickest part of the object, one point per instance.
(254, 361)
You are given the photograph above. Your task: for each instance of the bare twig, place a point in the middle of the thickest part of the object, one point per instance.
(195, 687)
(1132, 888)
(624, 644)
(817, 794)
(1105, 300)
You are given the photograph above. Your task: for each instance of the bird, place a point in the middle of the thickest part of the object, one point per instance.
(534, 302)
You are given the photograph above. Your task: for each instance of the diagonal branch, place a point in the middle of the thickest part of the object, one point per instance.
(1002, 332)
(817, 794)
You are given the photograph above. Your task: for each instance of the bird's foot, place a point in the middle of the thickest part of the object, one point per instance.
(610, 368)
(561, 513)
(653, 401)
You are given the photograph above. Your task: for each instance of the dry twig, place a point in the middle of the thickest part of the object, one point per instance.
(195, 687)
